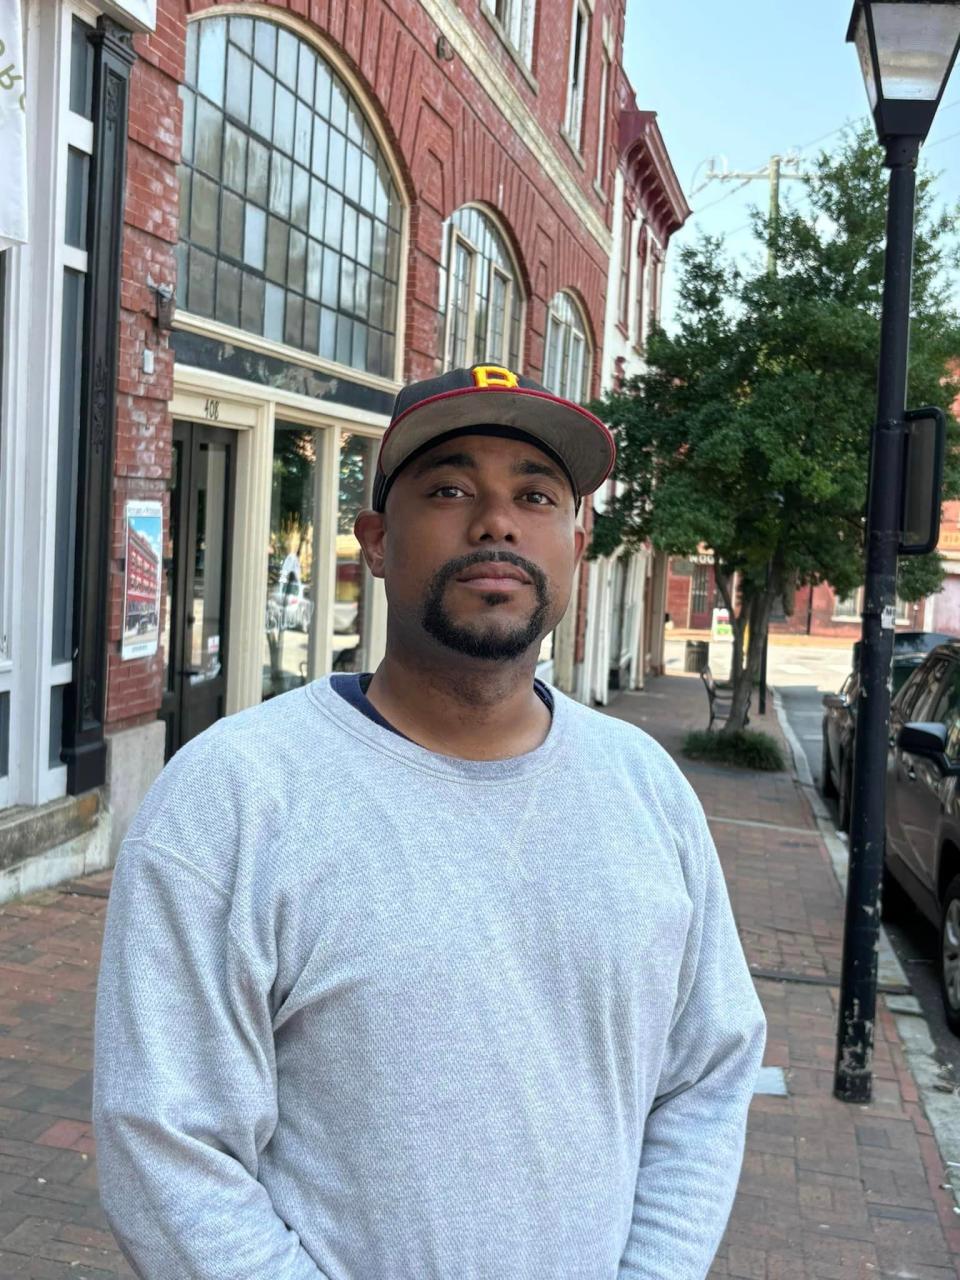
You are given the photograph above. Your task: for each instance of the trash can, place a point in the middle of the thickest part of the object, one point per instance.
(697, 655)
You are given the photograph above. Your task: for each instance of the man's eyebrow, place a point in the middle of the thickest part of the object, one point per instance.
(444, 460)
(530, 467)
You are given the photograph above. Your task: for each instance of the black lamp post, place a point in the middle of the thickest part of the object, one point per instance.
(907, 49)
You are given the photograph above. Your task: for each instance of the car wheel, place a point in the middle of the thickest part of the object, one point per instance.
(950, 954)
(844, 801)
(827, 789)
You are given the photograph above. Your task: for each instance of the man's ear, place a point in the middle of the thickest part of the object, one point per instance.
(579, 543)
(370, 531)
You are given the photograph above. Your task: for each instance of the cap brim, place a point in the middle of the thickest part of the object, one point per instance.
(574, 434)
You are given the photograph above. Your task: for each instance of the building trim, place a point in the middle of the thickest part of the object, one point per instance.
(205, 328)
(505, 97)
(84, 699)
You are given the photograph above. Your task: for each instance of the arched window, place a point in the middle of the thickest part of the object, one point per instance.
(480, 296)
(567, 364)
(289, 218)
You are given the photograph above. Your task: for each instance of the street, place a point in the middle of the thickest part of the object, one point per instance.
(802, 677)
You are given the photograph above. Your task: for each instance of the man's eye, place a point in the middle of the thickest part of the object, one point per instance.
(540, 499)
(446, 491)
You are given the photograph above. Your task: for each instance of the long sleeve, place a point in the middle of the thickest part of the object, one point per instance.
(185, 1096)
(694, 1134)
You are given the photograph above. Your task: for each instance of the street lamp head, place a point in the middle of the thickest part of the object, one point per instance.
(907, 49)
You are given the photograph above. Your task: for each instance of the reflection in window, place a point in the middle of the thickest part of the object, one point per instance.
(289, 218)
(351, 606)
(480, 287)
(566, 371)
(291, 554)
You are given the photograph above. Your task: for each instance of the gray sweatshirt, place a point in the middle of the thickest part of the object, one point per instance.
(371, 1013)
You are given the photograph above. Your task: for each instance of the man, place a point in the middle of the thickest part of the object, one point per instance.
(430, 975)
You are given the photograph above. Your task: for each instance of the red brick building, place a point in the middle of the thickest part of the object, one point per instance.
(285, 211)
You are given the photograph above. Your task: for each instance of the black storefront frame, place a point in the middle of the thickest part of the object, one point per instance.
(84, 699)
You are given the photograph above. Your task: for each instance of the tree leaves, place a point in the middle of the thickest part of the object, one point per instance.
(749, 430)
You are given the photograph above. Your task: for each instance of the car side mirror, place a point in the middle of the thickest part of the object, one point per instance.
(929, 742)
(836, 701)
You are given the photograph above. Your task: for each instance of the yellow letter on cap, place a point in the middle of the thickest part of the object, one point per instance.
(492, 375)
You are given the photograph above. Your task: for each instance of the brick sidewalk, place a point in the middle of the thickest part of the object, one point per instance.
(829, 1191)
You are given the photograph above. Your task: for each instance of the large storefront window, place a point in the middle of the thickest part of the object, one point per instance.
(290, 221)
(567, 368)
(294, 649)
(480, 296)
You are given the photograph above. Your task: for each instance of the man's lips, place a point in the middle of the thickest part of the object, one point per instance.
(494, 577)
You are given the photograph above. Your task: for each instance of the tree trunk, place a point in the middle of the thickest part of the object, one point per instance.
(757, 608)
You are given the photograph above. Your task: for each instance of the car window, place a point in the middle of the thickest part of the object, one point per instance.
(923, 690)
(900, 672)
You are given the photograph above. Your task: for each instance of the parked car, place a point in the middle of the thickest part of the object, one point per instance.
(922, 847)
(293, 605)
(840, 715)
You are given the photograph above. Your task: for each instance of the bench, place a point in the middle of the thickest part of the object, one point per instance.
(720, 697)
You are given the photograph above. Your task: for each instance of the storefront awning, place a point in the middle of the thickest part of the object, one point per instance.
(13, 128)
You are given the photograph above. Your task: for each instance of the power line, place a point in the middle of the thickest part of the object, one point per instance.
(946, 139)
(726, 196)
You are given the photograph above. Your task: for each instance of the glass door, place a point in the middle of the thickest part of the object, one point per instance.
(197, 581)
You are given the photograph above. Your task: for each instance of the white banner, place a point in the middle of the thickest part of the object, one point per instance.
(13, 128)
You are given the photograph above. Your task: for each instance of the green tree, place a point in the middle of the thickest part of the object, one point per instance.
(749, 430)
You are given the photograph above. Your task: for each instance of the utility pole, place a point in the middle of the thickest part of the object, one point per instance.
(772, 173)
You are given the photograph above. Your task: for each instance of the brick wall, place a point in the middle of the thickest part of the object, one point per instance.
(144, 429)
(678, 600)
(452, 144)
(813, 614)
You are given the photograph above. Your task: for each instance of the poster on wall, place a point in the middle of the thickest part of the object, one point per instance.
(143, 522)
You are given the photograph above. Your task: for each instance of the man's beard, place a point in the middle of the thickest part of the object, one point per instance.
(493, 644)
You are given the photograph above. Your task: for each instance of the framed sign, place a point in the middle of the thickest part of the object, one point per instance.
(143, 522)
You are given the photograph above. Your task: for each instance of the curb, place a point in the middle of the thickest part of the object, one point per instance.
(919, 1050)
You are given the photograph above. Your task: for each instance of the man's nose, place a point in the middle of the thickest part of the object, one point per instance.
(494, 520)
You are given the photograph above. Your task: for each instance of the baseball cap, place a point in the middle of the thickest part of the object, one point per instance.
(489, 399)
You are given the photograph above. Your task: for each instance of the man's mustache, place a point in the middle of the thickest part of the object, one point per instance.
(454, 567)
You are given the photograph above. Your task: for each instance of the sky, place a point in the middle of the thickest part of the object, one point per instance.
(149, 528)
(744, 80)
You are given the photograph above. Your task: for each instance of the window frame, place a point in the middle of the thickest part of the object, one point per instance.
(514, 298)
(32, 320)
(515, 27)
(457, 237)
(496, 271)
(558, 324)
(855, 609)
(626, 242)
(576, 76)
(599, 174)
(640, 291)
